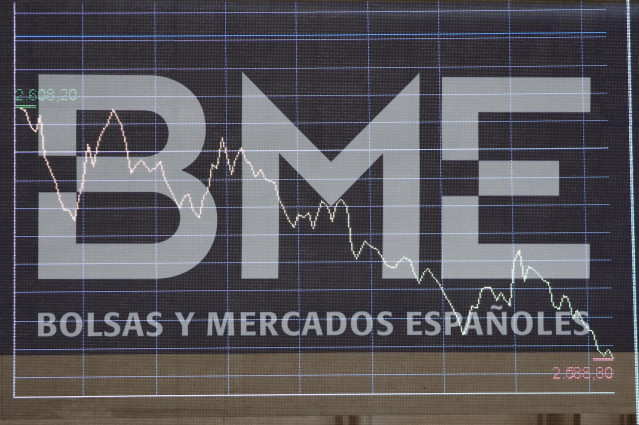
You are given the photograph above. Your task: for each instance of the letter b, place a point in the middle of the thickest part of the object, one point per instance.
(59, 256)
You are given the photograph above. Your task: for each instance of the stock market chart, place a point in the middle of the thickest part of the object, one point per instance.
(375, 206)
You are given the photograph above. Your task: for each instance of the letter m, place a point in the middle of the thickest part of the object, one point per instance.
(268, 134)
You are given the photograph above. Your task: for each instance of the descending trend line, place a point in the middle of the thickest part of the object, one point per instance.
(91, 158)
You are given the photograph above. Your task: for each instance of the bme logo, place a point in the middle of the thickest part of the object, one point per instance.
(267, 135)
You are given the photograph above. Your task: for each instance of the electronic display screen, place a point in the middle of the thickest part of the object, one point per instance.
(256, 208)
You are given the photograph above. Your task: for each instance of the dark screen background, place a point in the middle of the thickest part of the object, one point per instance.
(331, 85)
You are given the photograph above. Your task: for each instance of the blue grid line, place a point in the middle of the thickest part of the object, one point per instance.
(318, 12)
(155, 182)
(277, 395)
(334, 179)
(293, 36)
(310, 347)
(418, 289)
(470, 38)
(284, 375)
(256, 320)
(370, 182)
(512, 191)
(82, 114)
(313, 68)
(226, 178)
(574, 204)
(297, 196)
(231, 235)
(562, 260)
(441, 183)
(15, 224)
(332, 95)
(336, 123)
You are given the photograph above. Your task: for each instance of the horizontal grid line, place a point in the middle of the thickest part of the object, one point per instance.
(133, 291)
(438, 95)
(304, 347)
(297, 394)
(224, 207)
(256, 320)
(230, 235)
(311, 68)
(362, 261)
(259, 40)
(320, 12)
(327, 375)
(506, 149)
(302, 36)
(374, 123)
(240, 179)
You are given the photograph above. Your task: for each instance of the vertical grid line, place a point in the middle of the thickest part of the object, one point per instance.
(226, 185)
(155, 173)
(82, 239)
(370, 184)
(297, 192)
(15, 165)
(441, 181)
(512, 189)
